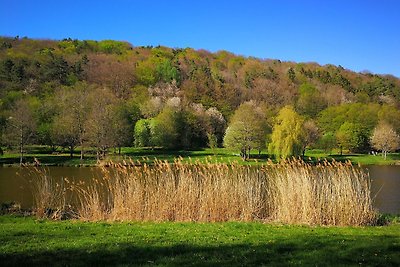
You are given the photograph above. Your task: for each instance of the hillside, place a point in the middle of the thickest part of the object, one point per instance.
(74, 93)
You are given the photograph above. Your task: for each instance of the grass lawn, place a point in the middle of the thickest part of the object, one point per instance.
(45, 156)
(363, 159)
(29, 242)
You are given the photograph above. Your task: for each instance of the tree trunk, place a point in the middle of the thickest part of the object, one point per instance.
(243, 154)
(21, 147)
(71, 151)
(81, 144)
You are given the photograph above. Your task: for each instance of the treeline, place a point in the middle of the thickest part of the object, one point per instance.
(109, 94)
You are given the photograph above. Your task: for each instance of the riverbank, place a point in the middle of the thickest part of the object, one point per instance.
(27, 241)
(147, 155)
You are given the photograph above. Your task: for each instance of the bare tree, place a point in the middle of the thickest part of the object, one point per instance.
(21, 125)
(70, 124)
(311, 134)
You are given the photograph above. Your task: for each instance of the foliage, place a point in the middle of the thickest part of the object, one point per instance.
(287, 134)
(328, 142)
(310, 101)
(164, 129)
(142, 81)
(247, 130)
(351, 137)
(142, 133)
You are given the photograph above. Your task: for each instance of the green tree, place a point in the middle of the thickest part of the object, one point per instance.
(328, 142)
(310, 101)
(247, 130)
(287, 135)
(164, 129)
(351, 136)
(142, 133)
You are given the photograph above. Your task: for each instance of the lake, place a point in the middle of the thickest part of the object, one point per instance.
(14, 185)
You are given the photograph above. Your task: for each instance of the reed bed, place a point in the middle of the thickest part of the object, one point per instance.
(49, 196)
(289, 192)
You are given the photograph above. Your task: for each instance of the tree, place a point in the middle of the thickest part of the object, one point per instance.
(328, 142)
(216, 126)
(385, 138)
(247, 130)
(21, 125)
(287, 135)
(142, 133)
(164, 128)
(65, 133)
(70, 124)
(101, 122)
(351, 136)
(311, 134)
(310, 101)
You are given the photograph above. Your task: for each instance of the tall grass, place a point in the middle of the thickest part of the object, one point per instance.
(289, 192)
(49, 196)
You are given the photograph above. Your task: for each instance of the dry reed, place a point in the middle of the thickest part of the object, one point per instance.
(49, 196)
(288, 192)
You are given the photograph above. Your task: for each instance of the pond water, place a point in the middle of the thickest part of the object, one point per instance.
(15, 186)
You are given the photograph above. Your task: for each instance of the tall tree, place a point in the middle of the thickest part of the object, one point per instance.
(21, 125)
(73, 115)
(287, 135)
(164, 128)
(352, 137)
(142, 133)
(247, 130)
(102, 121)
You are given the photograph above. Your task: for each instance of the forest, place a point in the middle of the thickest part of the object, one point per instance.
(109, 94)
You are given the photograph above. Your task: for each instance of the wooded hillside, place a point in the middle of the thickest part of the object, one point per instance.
(106, 94)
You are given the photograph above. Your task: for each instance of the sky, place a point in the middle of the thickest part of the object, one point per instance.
(361, 35)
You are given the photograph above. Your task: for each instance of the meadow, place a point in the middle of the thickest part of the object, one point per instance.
(28, 241)
(147, 155)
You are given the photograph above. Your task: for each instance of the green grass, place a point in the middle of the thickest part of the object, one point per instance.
(222, 155)
(363, 159)
(29, 242)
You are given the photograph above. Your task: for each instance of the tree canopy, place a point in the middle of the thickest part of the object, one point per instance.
(287, 137)
(247, 130)
(81, 90)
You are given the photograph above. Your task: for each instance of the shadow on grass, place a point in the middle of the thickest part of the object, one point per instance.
(159, 152)
(48, 160)
(302, 250)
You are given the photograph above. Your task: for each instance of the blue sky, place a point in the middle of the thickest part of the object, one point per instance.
(357, 34)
